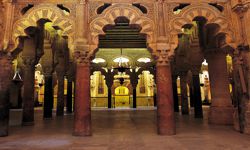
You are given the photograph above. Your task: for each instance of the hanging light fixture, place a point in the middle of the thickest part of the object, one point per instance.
(17, 78)
(121, 68)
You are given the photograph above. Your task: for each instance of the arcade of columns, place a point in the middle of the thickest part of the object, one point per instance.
(63, 37)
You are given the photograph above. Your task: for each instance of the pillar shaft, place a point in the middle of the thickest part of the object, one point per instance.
(109, 97)
(48, 97)
(69, 97)
(221, 110)
(198, 112)
(5, 80)
(165, 103)
(191, 96)
(60, 96)
(184, 98)
(28, 91)
(134, 98)
(82, 120)
(175, 95)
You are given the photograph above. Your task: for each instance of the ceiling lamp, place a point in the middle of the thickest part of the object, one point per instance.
(205, 62)
(98, 60)
(144, 60)
(17, 78)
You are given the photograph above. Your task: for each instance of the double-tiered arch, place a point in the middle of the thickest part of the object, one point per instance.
(109, 15)
(48, 12)
(210, 13)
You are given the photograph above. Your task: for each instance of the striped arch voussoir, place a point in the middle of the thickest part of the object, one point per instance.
(50, 12)
(212, 15)
(110, 14)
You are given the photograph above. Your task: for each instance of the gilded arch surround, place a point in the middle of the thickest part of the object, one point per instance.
(212, 15)
(44, 11)
(116, 10)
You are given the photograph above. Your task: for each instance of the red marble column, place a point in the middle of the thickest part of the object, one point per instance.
(221, 109)
(5, 80)
(82, 120)
(28, 91)
(165, 102)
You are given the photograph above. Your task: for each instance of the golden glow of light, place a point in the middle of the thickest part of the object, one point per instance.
(121, 90)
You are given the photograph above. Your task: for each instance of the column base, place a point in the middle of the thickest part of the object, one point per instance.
(28, 123)
(75, 133)
(3, 133)
(166, 127)
(247, 123)
(236, 120)
(221, 115)
(166, 132)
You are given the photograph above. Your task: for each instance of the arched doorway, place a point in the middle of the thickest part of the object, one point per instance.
(122, 97)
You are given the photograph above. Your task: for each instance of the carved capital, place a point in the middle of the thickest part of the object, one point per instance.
(82, 57)
(5, 70)
(47, 70)
(162, 57)
(240, 9)
(195, 69)
(210, 53)
(29, 61)
(183, 73)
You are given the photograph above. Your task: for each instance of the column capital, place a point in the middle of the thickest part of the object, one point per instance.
(163, 57)
(6, 70)
(82, 57)
(47, 70)
(210, 53)
(240, 9)
(5, 55)
(195, 69)
(28, 61)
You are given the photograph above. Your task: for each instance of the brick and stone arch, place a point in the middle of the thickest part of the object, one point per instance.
(109, 15)
(44, 11)
(211, 14)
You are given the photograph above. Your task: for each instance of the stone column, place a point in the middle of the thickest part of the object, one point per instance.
(184, 98)
(48, 63)
(109, 97)
(28, 90)
(109, 76)
(221, 109)
(29, 57)
(60, 94)
(175, 94)
(48, 96)
(191, 96)
(69, 97)
(165, 102)
(198, 112)
(82, 120)
(134, 82)
(5, 81)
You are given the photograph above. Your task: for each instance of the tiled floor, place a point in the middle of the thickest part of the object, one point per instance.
(124, 130)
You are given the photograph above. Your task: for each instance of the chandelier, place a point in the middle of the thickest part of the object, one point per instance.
(121, 65)
(121, 68)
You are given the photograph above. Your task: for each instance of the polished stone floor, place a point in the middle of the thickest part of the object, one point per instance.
(124, 130)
